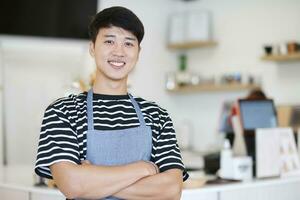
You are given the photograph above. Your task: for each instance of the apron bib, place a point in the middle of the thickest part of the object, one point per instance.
(117, 147)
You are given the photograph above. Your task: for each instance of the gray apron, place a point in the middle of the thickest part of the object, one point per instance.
(117, 147)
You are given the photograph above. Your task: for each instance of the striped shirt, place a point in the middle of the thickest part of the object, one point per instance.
(64, 130)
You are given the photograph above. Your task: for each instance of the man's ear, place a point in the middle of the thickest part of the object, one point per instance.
(92, 49)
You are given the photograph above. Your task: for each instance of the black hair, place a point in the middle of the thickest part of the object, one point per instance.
(256, 94)
(116, 16)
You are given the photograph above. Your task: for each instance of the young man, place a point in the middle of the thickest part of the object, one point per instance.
(107, 143)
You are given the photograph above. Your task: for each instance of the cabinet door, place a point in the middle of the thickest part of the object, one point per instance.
(279, 191)
(11, 194)
(39, 196)
(199, 195)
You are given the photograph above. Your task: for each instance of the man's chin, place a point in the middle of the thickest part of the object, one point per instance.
(118, 78)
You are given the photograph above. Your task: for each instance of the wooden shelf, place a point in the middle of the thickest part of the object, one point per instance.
(212, 87)
(191, 45)
(287, 57)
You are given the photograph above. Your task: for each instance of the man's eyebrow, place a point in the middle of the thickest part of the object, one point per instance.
(130, 38)
(127, 38)
(109, 35)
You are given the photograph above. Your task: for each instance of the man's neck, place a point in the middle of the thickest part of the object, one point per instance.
(111, 87)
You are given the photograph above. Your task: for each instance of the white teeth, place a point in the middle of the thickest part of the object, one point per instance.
(118, 64)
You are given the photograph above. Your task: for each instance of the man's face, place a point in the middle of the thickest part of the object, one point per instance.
(116, 52)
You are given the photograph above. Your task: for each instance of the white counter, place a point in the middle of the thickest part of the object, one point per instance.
(263, 189)
(21, 178)
(249, 184)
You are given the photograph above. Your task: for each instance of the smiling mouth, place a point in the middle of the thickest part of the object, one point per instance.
(117, 64)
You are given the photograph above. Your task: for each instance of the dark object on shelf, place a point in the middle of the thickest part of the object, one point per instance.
(297, 47)
(268, 49)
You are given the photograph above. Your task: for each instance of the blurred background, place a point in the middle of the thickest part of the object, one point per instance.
(191, 70)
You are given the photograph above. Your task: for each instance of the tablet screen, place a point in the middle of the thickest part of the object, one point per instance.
(257, 114)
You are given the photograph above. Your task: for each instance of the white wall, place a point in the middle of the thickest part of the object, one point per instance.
(241, 28)
(37, 70)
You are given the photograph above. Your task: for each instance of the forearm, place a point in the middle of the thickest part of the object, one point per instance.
(94, 182)
(162, 186)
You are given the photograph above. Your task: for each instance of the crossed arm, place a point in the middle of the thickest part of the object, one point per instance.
(137, 180)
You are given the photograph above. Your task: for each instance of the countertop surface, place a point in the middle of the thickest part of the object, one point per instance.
(22, 177)
(244, 184)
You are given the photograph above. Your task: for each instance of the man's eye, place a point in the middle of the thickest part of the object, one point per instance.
(108, 42)
(129, 44)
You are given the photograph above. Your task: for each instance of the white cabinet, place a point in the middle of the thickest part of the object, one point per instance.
(13, 194)
(18, 194)
(39, 196)
(267, 189)
(199, 195)
(289, 191)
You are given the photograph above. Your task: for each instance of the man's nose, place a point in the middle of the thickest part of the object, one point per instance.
(119, 50)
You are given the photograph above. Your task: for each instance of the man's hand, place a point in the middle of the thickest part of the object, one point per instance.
(85, 162)
(163, 186)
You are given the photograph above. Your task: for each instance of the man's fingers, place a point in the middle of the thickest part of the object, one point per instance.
(85, 162)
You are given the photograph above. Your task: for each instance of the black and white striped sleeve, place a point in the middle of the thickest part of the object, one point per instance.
(58, 141)
(167, 154)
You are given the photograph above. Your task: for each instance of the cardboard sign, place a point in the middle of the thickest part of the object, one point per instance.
(276, 153)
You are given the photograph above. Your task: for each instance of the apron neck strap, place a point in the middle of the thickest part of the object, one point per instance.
(90, 118)
(138, 111)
